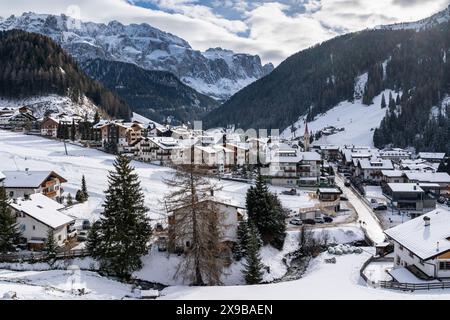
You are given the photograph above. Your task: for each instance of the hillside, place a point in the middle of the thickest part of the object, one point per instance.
(33, 65)
(216, 72)
(314, 81)
(154, 94)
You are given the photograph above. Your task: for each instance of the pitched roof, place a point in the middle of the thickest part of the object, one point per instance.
(423, 240)
(405, 187)
(42, 209)
(432, 155)
(28, 179)
(376, 164)
(432, 177)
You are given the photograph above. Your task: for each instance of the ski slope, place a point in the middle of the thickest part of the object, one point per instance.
(358, 120)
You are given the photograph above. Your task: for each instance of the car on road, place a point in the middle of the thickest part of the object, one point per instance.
(309, 221)
(328, 219)
(296, 222)
(347, 184)
(344, 199)
(319, 220)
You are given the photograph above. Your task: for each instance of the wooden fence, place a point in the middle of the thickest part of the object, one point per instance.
(414, 286)
(42, 256)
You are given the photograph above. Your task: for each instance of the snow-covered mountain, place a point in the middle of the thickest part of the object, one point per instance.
(218, 73)
(438, 18)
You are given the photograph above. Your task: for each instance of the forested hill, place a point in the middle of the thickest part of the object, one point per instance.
(33, 65)
(309, 82)
(413, 63)
(154, 94)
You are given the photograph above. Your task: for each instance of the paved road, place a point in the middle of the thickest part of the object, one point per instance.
(372, 225)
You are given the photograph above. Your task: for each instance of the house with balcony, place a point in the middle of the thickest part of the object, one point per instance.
(155, 149)
(372, 169)
(422, 246)
(36, 214)
(410, 198)
(20, 184)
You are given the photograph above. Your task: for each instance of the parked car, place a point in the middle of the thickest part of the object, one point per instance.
(319, 220)
(309, 221)
(328, 219)
(291, 192)
(82, 236)
(344, 199)
(348, 184)
(381, 207)
(442, 200)
(296, 222)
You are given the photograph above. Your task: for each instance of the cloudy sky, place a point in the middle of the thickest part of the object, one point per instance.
(273, 29)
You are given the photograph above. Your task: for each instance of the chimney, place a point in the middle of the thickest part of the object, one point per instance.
(427, 221)
(437, 246)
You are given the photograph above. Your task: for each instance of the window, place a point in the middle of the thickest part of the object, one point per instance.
(34, 227)
(399, 261)
(188, 244)
(59, 238)
(11, 194)
(401, 247)
(444, 265)
(411, 254)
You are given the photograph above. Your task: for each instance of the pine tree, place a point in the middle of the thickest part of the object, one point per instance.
(253, 266)
(69, 200)
(50, 246)
(266, 212)
(73, 130)
(96, 118)
(8, 227)
(124, 229)
(398, 100)
(82, 195)
(195, 218)
(383, 102)
(239, 249)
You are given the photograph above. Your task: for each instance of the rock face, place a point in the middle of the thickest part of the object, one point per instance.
(218, 73)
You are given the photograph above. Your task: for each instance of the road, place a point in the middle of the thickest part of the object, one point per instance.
(372, 225)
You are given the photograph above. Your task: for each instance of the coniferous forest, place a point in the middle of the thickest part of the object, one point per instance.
(32, 64)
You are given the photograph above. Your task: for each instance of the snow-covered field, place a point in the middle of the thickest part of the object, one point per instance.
(359, 121)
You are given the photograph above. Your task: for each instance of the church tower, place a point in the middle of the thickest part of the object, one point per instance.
(306, 138)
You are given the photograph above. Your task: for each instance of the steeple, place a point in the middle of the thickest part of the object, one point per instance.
(306, 138)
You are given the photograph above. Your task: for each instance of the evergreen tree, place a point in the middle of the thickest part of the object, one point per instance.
(50, 246)
(73, 131)
(82, 195)
(8, 227)
(383, 102)
(398, 100)
(266, 212)
(123, 230)
(96, 117)
(392, 104)
(239, 250)
(253, 266)
(69, 200)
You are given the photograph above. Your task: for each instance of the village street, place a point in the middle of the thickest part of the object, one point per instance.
(370, 222)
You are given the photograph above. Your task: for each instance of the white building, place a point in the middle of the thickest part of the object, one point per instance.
(422, 245)
(372, 169)
(155, 149)
(434, 157)
(19, 184)
(36, 215)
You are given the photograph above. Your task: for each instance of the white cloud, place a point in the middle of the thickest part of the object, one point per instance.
(274, 32)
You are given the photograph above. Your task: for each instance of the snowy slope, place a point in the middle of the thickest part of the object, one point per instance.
(358, 120)
(52, 104)
(438, 18)
(218, 73)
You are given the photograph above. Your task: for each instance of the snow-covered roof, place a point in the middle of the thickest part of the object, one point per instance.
(27, 179)
(379, 164)
(423, 240)
(166, 143)
(42, 209)
(432, 177)
(392, 173)
(432, 155)
(330, 190)
(310, 156)
(405, 187)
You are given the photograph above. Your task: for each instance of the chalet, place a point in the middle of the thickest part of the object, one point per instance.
(330, 196)
(21, 121)
(418, 165)
(123, 134)
(215, 159)
(411, 198)
(230, 215)
(440, 178)
(433, 157)
(155, 149)
(422, 246)
(393, 176)
(330, 153)
(49, 127)
(395, 155)
(371, 169)
(24, 183)
(36, 215)
(241, 152)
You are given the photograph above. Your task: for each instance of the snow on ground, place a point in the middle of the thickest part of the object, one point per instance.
(365, 214)
(59, 284)
(52, 104)
(375, 192)
(359, 121)
(18, 152)
(340, 281)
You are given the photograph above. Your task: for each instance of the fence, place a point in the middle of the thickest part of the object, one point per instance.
(42, 256)
(414, 286)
